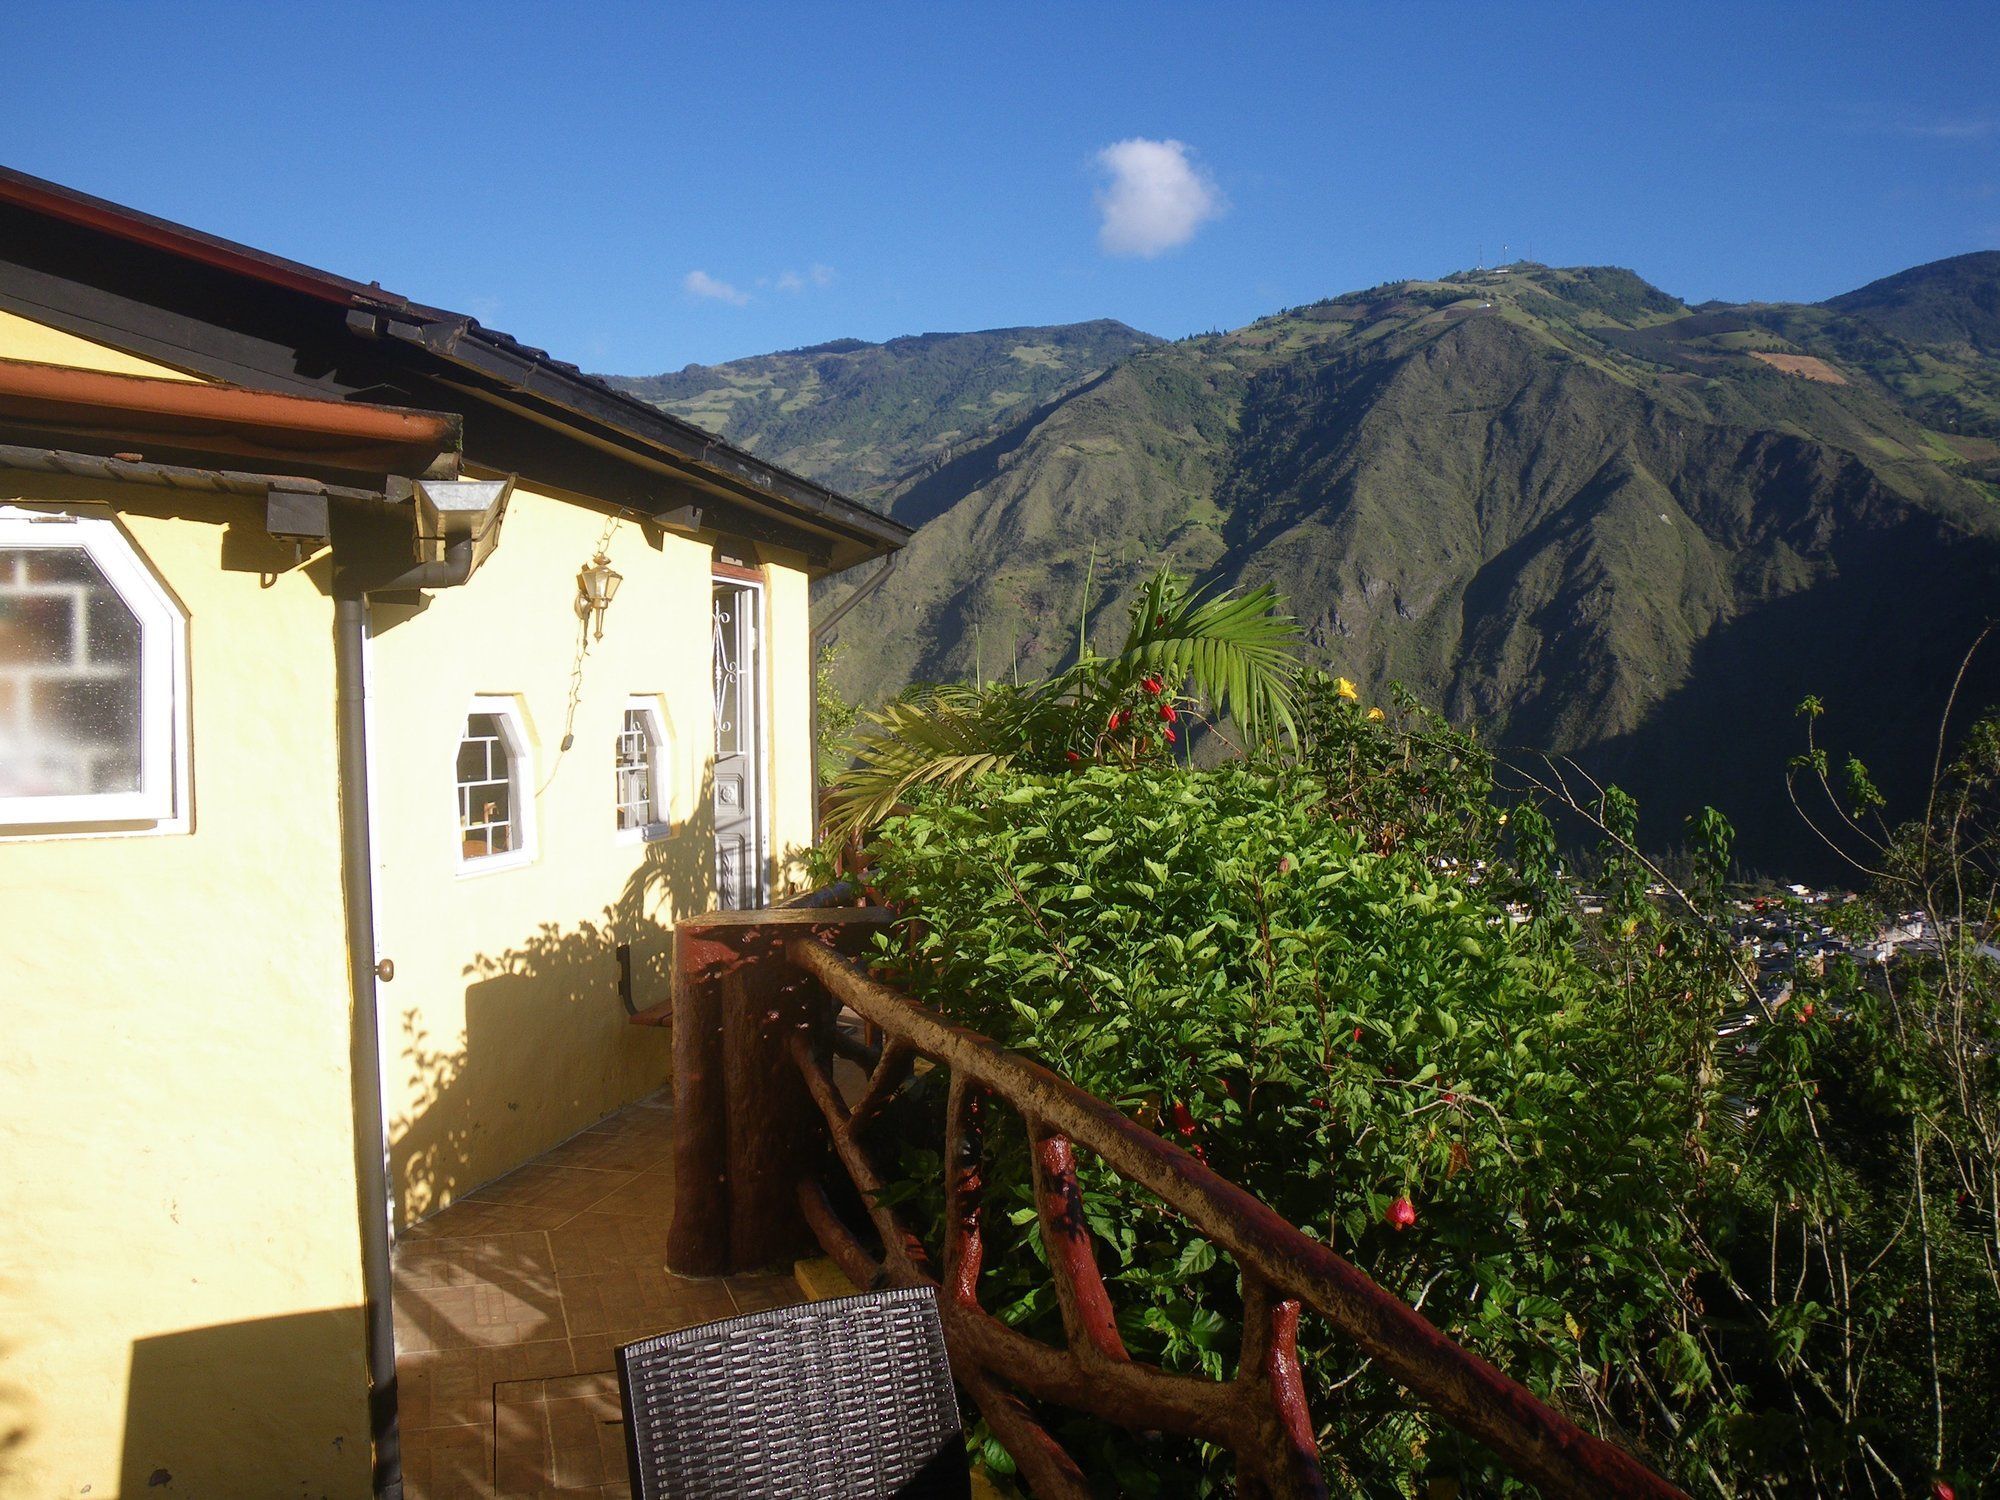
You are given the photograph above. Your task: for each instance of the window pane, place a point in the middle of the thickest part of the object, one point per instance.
(485, 789)
(69, 677)
(728, 670)
(635, 772)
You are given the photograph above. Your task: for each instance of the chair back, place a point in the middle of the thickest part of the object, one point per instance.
(846, 1399)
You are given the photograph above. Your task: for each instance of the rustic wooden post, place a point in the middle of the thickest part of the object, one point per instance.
(745, 1124)
(698, 1236)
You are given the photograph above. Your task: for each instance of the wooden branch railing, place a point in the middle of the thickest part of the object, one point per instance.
(758, 987)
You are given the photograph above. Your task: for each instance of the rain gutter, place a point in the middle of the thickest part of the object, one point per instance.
(216, 417)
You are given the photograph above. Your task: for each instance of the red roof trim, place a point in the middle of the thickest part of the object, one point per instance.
(58, 202)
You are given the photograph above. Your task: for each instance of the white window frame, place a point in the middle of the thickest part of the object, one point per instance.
(659, 771)
(506, 712)
(162, 797)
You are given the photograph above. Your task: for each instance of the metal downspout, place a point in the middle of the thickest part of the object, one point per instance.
(350, 633)
(820, 635)
(350, 628)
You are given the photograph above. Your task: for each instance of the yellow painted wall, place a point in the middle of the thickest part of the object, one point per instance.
(21, 338)
(503, 1030)
(180, 1283)
(789, 632)
(180, 1286)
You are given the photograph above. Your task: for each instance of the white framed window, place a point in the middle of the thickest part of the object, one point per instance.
(93, 680)
(642, 767)
(496, 825)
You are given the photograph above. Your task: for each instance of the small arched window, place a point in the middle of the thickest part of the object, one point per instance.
(642, 769)
(495, 791)
(93, 674)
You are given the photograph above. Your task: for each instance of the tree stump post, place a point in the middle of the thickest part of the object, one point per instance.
(745, 1126)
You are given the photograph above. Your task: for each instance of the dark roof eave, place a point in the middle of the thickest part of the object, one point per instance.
(534, 373)
(67, 204)
(460, 338)
(67, 464)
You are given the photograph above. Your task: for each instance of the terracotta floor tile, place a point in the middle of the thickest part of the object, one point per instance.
(457, 1387)
(442, 1390)
(464, 1260)
(596, 1241)
(648, 1195)
(511, 1303)
(537, 1361)
(467, 1218)
(498, 1311)
(544, 1187)
(639, 1297)
(581, 1439)
(757, 1292)
(449, 1463)
(600, 1350)
(654, 1121)
(615, 1151)
(599, 1387)
(523, 1461)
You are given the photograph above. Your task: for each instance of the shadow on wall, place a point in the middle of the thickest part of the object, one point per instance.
(524, 1008)
(273, 1405)
(14, 1428)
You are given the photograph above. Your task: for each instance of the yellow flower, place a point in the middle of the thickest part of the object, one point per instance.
(1375, 716)
(1344, 689)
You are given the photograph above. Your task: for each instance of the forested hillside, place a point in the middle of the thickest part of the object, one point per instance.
(1558, 503)
(866, 417)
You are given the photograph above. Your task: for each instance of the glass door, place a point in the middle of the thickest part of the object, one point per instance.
(739, 862)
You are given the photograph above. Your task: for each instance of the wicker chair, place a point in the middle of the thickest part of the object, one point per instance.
(846, 1399)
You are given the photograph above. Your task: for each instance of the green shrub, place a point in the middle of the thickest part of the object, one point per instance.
(1350, 981)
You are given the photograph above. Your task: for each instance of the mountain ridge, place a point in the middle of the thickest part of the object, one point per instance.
(863, 416)
(1560, 503)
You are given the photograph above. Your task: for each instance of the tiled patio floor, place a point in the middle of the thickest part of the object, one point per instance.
(510, 1302)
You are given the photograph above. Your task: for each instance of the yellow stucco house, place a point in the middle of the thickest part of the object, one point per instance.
(374, 690)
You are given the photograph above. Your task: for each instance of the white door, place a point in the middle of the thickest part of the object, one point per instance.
(739, 863)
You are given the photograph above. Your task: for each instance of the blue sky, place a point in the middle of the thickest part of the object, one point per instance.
(836, 170)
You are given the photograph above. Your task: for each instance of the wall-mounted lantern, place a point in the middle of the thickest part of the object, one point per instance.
(595, 586)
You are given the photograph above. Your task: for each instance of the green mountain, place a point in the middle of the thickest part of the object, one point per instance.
(1952, 302)
(1559, 503)
(865, 418)
(1929, 336)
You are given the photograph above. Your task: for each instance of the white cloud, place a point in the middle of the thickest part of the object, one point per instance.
(701, 284)
(798, 281)
(1156, 197)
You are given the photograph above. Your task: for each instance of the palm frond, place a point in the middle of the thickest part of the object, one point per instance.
(1238, 651)
(948, 736)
